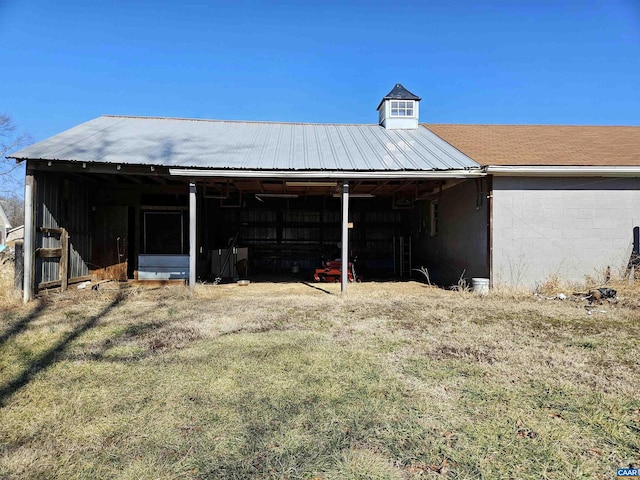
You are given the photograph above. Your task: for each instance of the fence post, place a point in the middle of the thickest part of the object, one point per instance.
(64, 260)
(18, 272)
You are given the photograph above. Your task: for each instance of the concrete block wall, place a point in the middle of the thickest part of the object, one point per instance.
(461, 244)
(569, 227)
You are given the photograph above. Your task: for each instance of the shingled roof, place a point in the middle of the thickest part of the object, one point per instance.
(399, 93)
(542, 145)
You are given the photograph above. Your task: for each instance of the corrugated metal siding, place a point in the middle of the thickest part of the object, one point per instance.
(62, 204)
(47, 201)
(79, 230)
(250, 145)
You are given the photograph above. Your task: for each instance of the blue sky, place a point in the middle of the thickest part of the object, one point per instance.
(492, 61)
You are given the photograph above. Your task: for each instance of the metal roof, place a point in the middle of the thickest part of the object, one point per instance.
(214, 144)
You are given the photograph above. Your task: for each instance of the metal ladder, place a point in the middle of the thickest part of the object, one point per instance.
(231, 251)
(402, 256)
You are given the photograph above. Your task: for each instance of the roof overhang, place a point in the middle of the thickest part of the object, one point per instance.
(562, 171)
(329, 174)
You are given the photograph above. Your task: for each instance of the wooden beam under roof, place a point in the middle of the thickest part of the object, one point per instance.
(158, 179)
(380, 187)
(133, 179)
(403, 186)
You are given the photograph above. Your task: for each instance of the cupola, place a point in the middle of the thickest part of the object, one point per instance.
(399, 109)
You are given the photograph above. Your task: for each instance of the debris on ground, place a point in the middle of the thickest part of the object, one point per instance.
(557, 296)
(598, 295)
(595, 298)
(108, 285)
(102, 285)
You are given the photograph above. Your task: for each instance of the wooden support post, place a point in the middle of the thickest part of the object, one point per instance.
(344, 277)
(64, 260)
(29, 236)
(137, 229)
(193, 254)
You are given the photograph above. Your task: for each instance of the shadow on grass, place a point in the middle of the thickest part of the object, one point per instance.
(45, 360)
(130, 333)
(22, 324)
(317, 288)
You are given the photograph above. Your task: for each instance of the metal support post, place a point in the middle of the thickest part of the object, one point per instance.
(193, 254)
(29, 237)
(344, 278)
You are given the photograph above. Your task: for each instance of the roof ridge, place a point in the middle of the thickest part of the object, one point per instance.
(212, 120)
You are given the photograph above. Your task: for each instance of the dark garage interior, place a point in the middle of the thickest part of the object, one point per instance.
(286, 229)
(275, 229)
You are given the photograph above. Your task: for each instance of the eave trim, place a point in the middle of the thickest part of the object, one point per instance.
(332, 174)
(563, 171)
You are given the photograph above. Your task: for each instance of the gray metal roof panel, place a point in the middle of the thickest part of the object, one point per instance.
(248, 145)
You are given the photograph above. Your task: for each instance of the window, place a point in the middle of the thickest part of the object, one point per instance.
(164, 232)
(402, 108)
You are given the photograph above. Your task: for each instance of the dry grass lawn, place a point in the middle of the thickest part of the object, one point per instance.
(395, 380)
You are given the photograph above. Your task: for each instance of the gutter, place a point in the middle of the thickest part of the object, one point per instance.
(328, 174)
(562, 171)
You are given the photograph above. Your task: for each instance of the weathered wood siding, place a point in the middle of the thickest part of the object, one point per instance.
(62, 204)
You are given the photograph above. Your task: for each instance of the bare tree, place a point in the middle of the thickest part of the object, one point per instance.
(13, 207)
(11, 173)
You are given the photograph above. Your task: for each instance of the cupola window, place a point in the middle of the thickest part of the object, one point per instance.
(402, 108)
